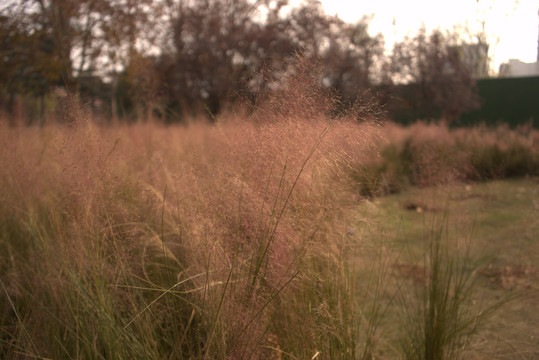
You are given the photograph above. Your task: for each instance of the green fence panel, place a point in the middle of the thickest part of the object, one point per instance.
(513, 101)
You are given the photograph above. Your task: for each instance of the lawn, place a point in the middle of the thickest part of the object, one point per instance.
(498, 222)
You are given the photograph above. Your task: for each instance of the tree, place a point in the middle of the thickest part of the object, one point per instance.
(211, 53)
(84, 36)
(215, 47)
(30, 64)
(349, 59)
(225, 48)
(440, 81)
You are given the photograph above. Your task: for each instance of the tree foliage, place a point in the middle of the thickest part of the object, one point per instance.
(173, 57)
(442, 83)
(225, 48)
(82, 36)
(33, 65)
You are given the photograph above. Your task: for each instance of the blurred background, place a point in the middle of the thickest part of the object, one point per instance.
(463, 61)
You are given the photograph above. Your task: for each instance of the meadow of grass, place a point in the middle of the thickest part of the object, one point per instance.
(432, 154)
(242, 239)
(204, 241)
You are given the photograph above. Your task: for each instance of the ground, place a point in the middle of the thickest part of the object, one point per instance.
(498, 222)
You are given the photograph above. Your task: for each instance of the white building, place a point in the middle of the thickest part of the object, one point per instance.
(517, 68)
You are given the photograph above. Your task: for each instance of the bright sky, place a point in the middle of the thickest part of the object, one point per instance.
(511, 25)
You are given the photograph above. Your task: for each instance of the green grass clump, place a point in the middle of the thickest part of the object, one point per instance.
(438, 321)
